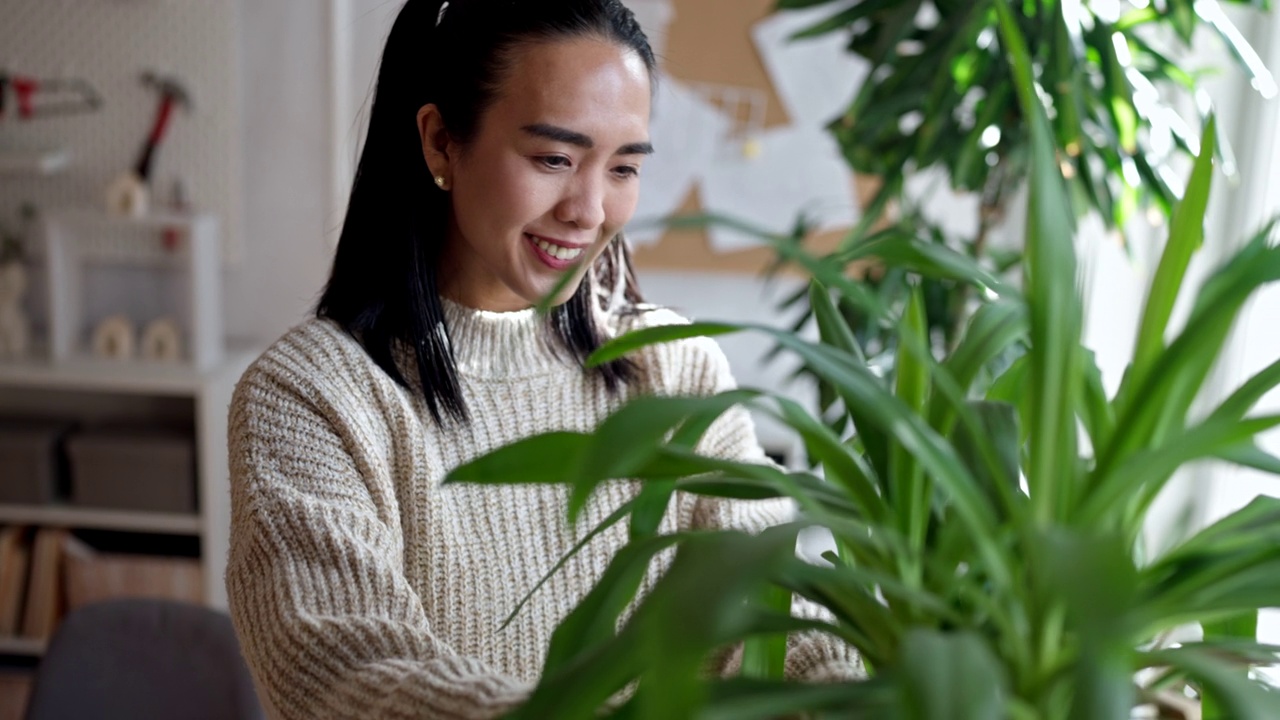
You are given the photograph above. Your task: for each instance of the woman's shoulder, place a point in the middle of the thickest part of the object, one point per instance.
(314, 347)
(314, 359)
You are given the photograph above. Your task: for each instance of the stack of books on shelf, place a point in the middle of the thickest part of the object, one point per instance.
(30, 582)
(15, 556)
(15, 689)
(46, 572)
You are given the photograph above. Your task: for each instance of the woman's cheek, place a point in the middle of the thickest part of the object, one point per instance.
(623, 207)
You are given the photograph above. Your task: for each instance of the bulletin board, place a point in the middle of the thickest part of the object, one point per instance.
(710, 41)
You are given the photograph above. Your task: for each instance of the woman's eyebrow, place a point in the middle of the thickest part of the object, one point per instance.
(573, 137)
(559, 134)
(640, 148)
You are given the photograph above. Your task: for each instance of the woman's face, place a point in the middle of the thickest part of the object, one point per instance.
(551, 176)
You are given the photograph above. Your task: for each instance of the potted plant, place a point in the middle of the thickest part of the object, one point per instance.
(989, 561)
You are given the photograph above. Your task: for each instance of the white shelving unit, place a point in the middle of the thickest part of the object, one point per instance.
(210, 392)
(64, 380)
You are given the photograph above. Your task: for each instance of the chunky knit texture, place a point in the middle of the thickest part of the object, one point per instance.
(362, 587)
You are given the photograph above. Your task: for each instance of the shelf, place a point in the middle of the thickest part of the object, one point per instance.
(29, 647)
(133, 376)
(94, 519)
(94, 219)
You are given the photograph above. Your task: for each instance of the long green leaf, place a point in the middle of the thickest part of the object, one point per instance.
(909, 489)
(1247, 395)
(520, 462)
(929, 259)
(950, 676)
(722, 570)
(843, 466)
(1244, 627)
(1055, 306)
(594, 620)
(1175, 379)
(1186, 235)
(742, 699)
(834, 331)
(1145, 473)
(622, 444)
(765, 656)
(620, 346)
(1239, 698)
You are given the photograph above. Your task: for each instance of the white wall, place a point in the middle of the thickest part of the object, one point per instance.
(286, 165)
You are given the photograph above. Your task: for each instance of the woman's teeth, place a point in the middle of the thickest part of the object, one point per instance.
(558, 252)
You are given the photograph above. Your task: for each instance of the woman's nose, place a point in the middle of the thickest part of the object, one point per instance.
(583, 203)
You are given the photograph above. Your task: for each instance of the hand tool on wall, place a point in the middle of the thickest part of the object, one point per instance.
(172, 93)
(128, 193)
(37, 97)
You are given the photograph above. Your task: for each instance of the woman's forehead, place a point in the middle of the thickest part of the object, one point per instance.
(584, 84)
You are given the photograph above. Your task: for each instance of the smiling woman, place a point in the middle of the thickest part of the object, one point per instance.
(504, 147)
(551, 175)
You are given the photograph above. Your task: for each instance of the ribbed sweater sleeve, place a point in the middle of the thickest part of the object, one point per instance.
(329, 624)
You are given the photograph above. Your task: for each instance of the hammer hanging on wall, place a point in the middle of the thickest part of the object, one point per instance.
(172, 93)
(128, 193)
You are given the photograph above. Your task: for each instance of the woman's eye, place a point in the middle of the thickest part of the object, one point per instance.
(628, 171)
(555, 162)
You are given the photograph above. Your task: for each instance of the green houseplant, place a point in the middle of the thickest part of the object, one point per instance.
(940, 95)
(989, 561)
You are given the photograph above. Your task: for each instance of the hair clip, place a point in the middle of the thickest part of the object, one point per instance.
(440, 17)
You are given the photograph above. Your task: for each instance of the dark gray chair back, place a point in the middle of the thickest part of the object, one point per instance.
(144, 660)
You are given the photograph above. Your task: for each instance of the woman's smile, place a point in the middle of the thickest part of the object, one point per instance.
(555, 254)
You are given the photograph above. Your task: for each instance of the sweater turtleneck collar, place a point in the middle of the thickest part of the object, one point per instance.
(503, 345)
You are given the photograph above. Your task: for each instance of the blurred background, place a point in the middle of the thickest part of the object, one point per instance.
(173, 177)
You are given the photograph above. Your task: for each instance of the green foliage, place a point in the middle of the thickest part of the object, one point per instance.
(942, 94)
(989, 561)
(1108, 71)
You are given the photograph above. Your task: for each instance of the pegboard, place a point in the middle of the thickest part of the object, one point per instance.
(110, 43)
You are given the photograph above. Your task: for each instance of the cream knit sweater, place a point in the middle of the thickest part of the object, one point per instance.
(362, 587)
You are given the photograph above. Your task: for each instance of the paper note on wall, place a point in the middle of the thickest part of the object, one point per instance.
(816, 78)
(686, 132)
(794, 171)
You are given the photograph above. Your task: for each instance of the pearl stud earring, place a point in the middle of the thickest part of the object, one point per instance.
(440, 182)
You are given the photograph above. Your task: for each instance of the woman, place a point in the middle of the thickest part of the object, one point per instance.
(505, 142)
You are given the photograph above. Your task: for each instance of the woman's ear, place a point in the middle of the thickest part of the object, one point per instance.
(435, 145)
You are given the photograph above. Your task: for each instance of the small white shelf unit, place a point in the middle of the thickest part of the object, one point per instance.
(76, 238)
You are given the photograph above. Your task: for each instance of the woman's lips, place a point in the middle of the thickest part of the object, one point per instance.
(554, 254)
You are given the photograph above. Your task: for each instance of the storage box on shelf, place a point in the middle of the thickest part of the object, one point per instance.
(152, 471)
(31, 461)
(183, 248)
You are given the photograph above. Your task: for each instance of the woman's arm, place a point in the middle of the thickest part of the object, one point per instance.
(329, 624)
